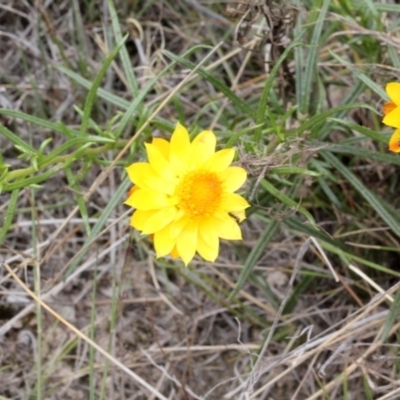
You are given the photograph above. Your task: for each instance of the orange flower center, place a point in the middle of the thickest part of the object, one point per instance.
(199, 193)
(389, 106)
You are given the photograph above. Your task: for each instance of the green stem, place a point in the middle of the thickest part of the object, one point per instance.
(23, 172)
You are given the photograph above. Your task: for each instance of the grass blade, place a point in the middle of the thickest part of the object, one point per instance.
(371, 198)
(96, 83)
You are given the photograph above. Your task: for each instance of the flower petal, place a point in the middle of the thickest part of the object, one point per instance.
(228, 228)
(179, 224)
(239, 216)
(207, 231)
(162, 145)
(393, 91)
(180, 143)
(160, 164)
(209, 251)
(233, 178)
(147, 199)
(139, 218)
(186, 242)
(394, 143)
(144, 176)
(220, 160)
(159, 220)
(163, 243)
(174, 253)
(202, 148)
(393, 118)
(388, 107)
(233, 202)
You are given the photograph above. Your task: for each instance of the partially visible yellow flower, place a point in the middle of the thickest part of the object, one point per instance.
(394, 142)
(185, 194)
(391, 109)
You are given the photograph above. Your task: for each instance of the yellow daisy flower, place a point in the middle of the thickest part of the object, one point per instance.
(184, 196)
(391, 109)
(394, 142)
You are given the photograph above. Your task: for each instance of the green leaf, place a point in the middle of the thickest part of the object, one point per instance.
(125, 58)
(287, 200)
(310, 64)
(293, 170)
(18, 142)
(102, 93)
(376, 203)
(79, 198)
(237, 101)
(51, 126)
(263, 102)
(254, 256)
(315, 122)
(364, 153)
(297, 224)
(96, 83)
(362, 129)
(388, 7)
(9, 215)
(394, 313)
(99, 225)
(361, 76)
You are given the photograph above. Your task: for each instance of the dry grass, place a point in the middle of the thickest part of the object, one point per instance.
(86, 311)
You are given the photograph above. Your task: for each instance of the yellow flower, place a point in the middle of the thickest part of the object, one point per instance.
(394, 142)
(391, 109)
(184, 196)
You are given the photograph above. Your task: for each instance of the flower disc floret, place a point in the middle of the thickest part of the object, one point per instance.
(199, 193)
(184, 196)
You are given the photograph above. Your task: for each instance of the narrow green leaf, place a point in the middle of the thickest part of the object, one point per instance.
(99, 225)
(237, 101)
(293, 170)
(286, 200)
(393, 316)
(311, 62)
(365, 153)
(362, 129)
(352, 96)
(329, 192)
(13, 138)
(335, 246)
(9, 214)
(79, 198)
(361, 76)
(374, 201)
(102, 93)
(388, 7)
(125, 58)
(371, 6)
(45, 123)
(297, 224)
(96, 83)
(254, 256)
(263, 102)
(299, 31)
(315, 122)
(32, 180)
(394, 55)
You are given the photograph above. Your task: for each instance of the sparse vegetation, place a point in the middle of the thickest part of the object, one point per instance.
(305, 307)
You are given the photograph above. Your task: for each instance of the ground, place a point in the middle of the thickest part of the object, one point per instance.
(305, 306)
